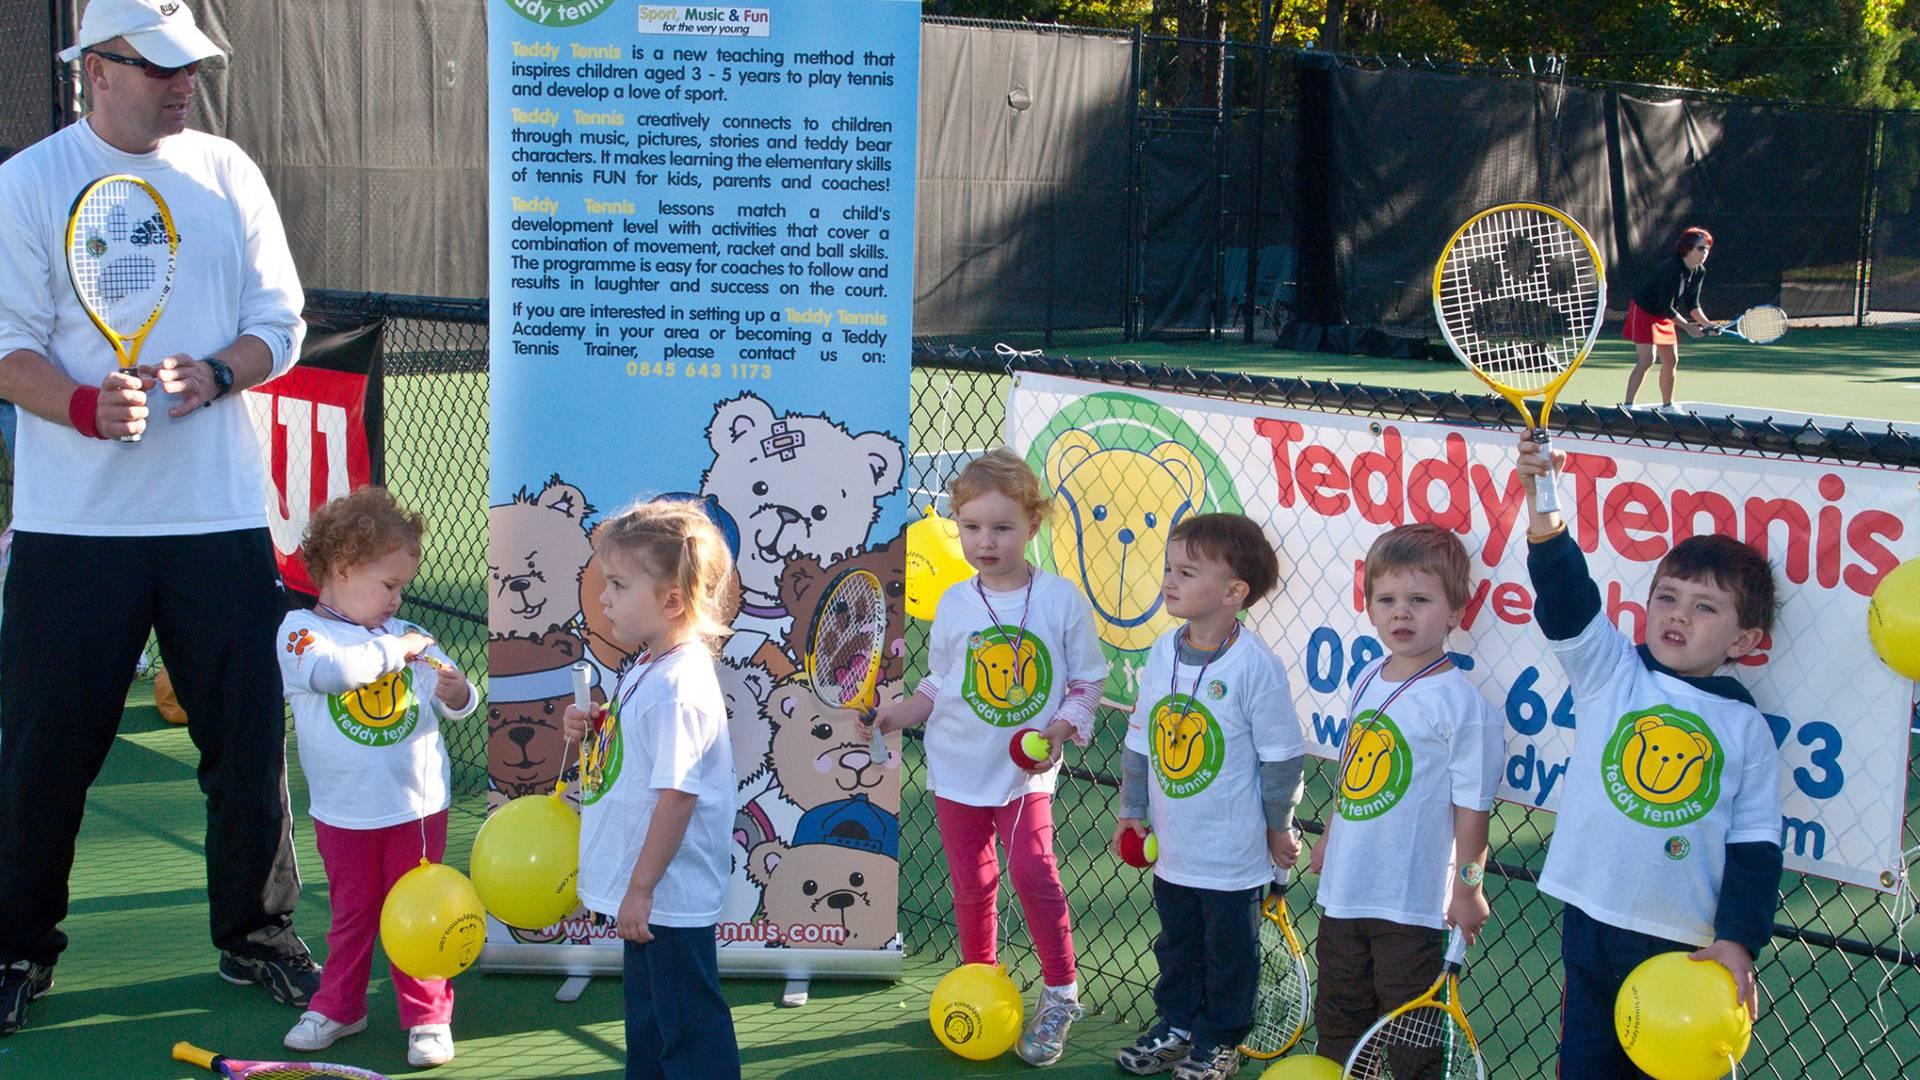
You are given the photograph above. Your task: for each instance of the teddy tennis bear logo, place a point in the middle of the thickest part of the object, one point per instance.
(1376, 768)
(1186, 746)
(381, 713)
(1008, 676)
(1662, 767)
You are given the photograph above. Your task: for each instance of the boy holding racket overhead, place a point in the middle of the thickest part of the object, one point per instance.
(1214, 728)
(1668, 834)
(1404, 851)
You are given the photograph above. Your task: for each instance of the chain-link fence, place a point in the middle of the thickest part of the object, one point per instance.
(1841, 996)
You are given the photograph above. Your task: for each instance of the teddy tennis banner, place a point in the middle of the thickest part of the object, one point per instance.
(1124, 467)
(701, 282)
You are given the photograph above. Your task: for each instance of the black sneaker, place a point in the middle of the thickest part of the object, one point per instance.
(1209, 1063)
(21, 982)
(291, 980)
(1155, 1051)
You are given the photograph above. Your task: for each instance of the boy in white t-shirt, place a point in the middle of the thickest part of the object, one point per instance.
(1668, 835)
(1214, 725)
(1418, 771)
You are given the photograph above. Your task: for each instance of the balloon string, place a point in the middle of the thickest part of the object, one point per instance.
(1909, 907)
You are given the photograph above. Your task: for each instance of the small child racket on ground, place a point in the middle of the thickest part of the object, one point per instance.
(1012, 647)
(1668, 836)
(1213, 762)
(369, 692)
(1405, 849)
(656, 811)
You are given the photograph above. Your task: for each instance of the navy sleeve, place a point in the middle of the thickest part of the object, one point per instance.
(1749, 895)
(1690, 293)
(1567, 598)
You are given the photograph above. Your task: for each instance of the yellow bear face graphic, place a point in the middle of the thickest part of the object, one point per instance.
(380, 703)
(1369, 764)
(1662, 763)
(995, 668)
(1179, 741)
(1119, 505)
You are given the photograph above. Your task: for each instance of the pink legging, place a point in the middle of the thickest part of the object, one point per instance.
(1025, 826)
(362, 864)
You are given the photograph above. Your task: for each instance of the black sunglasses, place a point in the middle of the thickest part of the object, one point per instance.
(152, 70)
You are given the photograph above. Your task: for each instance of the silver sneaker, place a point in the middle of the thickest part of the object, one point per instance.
(1045, 1038)
(1209, 1063)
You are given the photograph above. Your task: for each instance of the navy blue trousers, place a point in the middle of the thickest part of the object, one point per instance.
(1209, 956)
(1598, 958)
(678, 1025)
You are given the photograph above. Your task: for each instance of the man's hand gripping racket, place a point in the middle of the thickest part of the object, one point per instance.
(121, 250)
(1519, 293)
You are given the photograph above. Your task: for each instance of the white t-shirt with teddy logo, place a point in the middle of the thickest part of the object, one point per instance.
(366, 722)
(1664, 775)
(1438, 746)
(1204, 736)
(992, 676)
(670, 733)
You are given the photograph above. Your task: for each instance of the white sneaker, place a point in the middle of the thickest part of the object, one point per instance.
(429, 1045)
(316, 1032)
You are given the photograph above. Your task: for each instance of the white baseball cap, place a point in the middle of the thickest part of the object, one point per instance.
(162, 31)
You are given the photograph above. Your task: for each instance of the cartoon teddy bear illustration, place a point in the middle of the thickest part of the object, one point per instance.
(794, 485)
(1663, 762)
(529, 687)
(836, 885)
(804, 578)
(746, 688)
(536, 547)
(819, 757)
(1119, 505)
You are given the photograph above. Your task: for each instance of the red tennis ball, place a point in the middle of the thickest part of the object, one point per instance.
(1137, 850)
(1029, 749)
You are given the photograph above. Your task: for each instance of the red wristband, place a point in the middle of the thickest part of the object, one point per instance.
(81, 408)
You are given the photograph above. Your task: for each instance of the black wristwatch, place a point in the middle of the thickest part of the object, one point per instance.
(222, 378)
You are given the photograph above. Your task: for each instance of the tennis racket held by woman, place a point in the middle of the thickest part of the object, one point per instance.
(1428, 1037)
(845, 646)
(1520, 293)
(121, 251)
(235, 1069)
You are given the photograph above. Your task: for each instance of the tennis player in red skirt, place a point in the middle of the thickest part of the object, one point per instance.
(1669, 300)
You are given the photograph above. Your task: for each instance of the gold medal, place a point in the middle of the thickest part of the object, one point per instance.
(1016, 695)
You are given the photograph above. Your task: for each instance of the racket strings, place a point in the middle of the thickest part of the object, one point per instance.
(1427, 1042)
(1519, 296)
(1280, 1009)
(847, 639)
(1763, 324)
(312, 1072)
(120, 248)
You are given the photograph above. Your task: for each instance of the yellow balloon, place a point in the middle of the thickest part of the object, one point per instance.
(1303, 1067)
(934, 562)
(525, 860)
(1893, 619)
(432, 923)
(1681, 1019)
(976, 1011)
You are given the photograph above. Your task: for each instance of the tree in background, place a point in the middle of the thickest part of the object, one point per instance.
(1834, 52)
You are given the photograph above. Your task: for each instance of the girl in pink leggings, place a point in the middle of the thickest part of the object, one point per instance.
(1013, 648)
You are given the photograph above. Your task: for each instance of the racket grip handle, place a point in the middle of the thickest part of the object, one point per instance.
(1456, 947)
(583, 686)
(128, 440)
(877, 746)
(1546, 495)
(193, 1055)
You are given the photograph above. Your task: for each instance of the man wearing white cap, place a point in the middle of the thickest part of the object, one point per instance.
(114, 540)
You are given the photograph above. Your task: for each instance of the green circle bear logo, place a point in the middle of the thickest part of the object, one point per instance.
(1008, 676)
(1662, 767)
(1375, 768)
(559, 12)
(381, 713)
(1186, 746)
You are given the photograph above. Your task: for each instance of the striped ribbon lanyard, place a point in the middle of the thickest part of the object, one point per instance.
(1360, 691)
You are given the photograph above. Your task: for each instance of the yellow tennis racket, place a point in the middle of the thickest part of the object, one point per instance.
(1428, 1037)
(846, 646)
(235, 1069)
(121, 250)
(1285, 997)
(1520, 293)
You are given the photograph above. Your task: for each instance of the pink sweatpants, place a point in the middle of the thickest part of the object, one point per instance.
(1025, 826)
(362, 864)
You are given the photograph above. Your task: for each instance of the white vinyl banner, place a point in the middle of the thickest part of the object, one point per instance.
(1125, 466)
